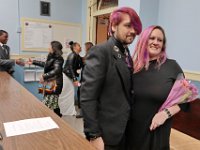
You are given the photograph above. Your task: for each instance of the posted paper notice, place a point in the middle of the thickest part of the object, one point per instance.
(29, 126)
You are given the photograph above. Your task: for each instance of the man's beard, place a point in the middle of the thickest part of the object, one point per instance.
(126, 42)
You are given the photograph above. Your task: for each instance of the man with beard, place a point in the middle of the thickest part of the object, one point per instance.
(106, 92)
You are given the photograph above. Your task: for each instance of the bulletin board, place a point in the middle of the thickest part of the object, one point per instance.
(37, 34)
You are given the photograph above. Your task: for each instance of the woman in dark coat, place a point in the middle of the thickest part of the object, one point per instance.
(73, 63)
(52, 72)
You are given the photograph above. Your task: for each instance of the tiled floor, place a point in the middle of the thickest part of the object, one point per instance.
(75, 123)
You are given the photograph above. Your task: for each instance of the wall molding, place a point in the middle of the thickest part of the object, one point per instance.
(192, 75)
(17, 56)
(26, 56)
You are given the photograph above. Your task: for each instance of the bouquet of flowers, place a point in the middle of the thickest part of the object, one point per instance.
(183, 91)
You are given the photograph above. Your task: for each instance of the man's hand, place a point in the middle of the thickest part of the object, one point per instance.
(98, 143)
(19, 62)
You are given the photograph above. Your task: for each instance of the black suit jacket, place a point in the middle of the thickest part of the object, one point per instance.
(106, 92)
(6, 64)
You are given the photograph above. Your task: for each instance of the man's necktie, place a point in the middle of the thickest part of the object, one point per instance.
(129, 60)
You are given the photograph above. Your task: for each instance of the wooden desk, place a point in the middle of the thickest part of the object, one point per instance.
(16, 103)
(189, 122)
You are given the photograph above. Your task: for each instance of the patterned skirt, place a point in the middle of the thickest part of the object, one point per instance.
(51, 101)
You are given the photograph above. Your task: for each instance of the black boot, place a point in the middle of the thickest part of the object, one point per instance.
(80, 114)
(57, 111)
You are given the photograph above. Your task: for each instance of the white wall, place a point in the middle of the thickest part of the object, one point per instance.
(135, 4)
(10, 22)
(12, 10)
(181, 21)
(149, 12)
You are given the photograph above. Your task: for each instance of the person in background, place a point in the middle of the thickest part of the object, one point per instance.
(88, 46)
(6, 64)
(52, 72)
(154, 76)
(72, 69)
(106, 90)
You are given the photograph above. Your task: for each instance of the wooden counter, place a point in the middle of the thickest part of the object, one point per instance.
(16, 103)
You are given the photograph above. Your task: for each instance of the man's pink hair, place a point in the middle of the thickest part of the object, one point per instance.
(116, 17)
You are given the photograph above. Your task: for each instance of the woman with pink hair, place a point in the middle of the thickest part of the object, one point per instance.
(154, 76)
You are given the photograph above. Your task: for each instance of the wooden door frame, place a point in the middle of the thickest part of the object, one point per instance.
(92, 13)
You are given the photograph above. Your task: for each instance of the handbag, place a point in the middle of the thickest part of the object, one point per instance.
(47, 87)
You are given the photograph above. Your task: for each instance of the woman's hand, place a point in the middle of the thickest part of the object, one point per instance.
(29, 62)
(98, 143)
(76, 83)
(158, 120)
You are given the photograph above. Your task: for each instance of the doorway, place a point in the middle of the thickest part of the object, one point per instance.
(98, 19)
(102, 24)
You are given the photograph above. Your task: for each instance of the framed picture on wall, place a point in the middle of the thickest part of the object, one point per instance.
(45, 8)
